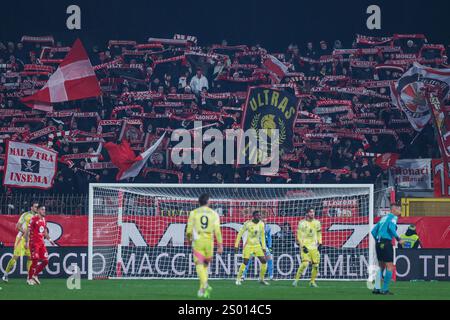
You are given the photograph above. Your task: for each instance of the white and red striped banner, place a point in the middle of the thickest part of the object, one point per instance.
(73, 80)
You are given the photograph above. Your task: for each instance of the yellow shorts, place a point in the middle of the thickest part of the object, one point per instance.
(257, 251)
(19, 248)
(312, 256)
(203, 250)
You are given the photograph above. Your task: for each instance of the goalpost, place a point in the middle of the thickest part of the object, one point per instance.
(137, 231)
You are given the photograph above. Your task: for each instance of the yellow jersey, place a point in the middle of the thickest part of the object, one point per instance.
(255, 234)
(24, 221)
(203, 223)
(309, 233)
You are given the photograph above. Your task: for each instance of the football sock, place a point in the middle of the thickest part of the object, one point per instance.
(378, 277)
(241, 271)
(314, 271)
(40, 267)
(202, 276)
(10, 265)
(32, 270)
(387, 280)
(263, 270)
(249, 264)
(300, 270)
(29, 264)
(270, 267)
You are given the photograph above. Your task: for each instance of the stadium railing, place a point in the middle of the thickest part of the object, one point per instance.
(77, 204)
(67, 204)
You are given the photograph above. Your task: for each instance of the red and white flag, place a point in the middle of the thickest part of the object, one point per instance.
(29, 166)
(409, 93)
(123, 157)
(386, 160)
(383, 160)
(73, 80)
(276, 67)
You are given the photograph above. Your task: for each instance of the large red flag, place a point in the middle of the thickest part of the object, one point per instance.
(123, 157)
(386, 160)
(73, 80)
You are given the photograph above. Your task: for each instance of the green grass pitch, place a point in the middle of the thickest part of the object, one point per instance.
(56, 289)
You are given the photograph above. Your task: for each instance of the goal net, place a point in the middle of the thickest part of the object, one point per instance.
(138, 230)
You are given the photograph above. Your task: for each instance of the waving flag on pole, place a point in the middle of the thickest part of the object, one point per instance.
(409, 92)
(73, 80)
(123, 157)
(277, 68)
(386, 160)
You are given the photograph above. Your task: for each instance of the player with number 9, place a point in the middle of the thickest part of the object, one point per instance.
(203, 225)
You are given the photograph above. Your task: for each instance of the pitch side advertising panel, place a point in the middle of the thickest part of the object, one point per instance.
(163, 251)
(423, 264)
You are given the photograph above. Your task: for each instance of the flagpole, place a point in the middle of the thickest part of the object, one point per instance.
(417, 135)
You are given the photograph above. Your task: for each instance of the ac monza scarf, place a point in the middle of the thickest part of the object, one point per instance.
(73, 80)
(99, 165)
(45, 39)
(309, 115)
(319, 170)
(179, 174)
(258, 77)
(167, 104)
(134, 108)
(79, 156)
(141, 95)
(359, 91)
(40, 133)
(107, 65)
(367, 122)
(368, 40)
(224, 95)
(381, 105)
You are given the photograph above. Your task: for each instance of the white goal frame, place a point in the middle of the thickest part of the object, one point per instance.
(369, 187)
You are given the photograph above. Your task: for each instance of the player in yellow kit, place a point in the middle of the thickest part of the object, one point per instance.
(20, 250)
(202, 225)
(309, 237)
(254, 246)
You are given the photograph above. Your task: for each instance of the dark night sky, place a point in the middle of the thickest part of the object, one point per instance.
(272, 23)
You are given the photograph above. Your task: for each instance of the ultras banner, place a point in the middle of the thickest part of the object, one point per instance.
(269, 109)
(29, 166)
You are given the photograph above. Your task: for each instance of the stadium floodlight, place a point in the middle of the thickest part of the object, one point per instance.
(137, 231)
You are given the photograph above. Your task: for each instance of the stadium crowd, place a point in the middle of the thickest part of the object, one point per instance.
(345, 111)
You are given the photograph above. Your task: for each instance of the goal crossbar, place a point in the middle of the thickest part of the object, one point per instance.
(136, 231)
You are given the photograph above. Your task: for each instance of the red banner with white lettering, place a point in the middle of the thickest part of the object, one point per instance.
(72, 231)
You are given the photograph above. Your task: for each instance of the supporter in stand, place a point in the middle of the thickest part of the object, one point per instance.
(219, 77)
